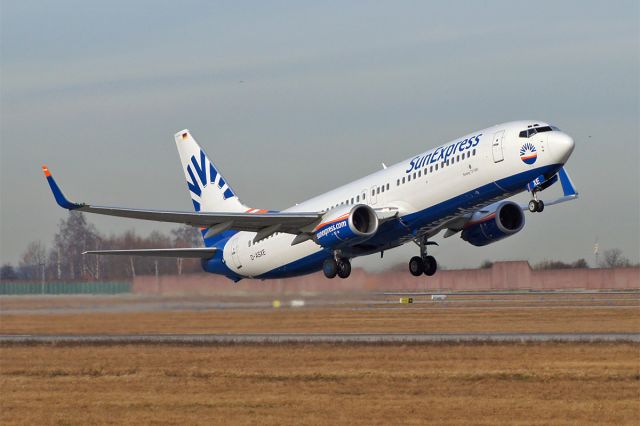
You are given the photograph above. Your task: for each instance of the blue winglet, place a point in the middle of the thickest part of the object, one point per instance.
(567, 186)
(57, 193)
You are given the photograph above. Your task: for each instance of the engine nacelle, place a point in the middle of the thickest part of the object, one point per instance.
(494, 223)
(346, 225)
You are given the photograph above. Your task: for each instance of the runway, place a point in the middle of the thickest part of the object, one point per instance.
(286, 338)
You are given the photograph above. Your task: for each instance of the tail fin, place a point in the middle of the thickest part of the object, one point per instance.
(209, 190)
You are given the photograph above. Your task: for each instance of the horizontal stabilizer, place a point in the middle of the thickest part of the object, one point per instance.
(197, 252)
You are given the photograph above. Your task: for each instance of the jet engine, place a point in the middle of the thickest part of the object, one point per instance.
(346, 225)
(493, 223)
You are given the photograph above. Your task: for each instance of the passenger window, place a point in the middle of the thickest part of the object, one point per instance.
(403, 179)
(382, 188)
(373, 192)
(398, 182)
(436, 167)
(378, 190)
(352, 201)
(474, 152)
(414, 175)
(357, 198)
(408, 178)
(387, 187)
(431, 169)
(419, 173)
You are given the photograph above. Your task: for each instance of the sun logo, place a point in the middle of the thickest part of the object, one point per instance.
(528, 153)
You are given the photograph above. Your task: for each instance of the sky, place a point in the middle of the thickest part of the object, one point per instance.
(291, 99)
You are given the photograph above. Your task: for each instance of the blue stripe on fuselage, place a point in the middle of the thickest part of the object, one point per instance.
(392, 233)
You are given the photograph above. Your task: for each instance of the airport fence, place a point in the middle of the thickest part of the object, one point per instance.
(91, 287)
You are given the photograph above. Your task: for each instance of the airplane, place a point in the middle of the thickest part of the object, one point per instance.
(460, 187)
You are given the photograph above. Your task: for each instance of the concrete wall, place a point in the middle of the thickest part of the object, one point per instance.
(502, 276)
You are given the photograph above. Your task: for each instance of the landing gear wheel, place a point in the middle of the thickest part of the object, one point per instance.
(540, 206)
(416, 266)
(533, 206)
(344, 269)
(430, 265)
(330, 268)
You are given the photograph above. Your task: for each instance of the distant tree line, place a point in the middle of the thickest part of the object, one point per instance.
(612, 258)
(64, 260)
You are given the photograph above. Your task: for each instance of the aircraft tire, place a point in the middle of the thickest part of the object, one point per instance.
(533, 206)
(416, 266)
(330, 268)
(540, 206)
(430, 265)
(344, 269)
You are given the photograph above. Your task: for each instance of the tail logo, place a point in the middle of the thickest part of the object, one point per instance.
(528, 153)
(198, 180)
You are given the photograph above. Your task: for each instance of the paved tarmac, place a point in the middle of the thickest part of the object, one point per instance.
(284, 338)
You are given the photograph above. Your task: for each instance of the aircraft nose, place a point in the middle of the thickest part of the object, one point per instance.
(562, 146)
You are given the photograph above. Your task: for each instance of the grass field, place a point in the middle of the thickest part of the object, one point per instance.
(321, 384)
(316, 320)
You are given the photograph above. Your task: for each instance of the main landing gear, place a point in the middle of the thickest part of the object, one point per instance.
(423, 264)
(536, 205)
(336, 266)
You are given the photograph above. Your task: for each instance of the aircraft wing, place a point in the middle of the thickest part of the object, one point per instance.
(197, 252)
(264, 224)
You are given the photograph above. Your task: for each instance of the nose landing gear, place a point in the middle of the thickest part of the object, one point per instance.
(536, 205)
(423, 264)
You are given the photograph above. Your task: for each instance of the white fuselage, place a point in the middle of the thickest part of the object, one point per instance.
(413, 186)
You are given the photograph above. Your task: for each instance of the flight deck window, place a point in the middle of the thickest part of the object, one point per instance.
(532, 131)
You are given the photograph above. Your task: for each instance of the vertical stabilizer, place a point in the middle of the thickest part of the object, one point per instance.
(209, 191)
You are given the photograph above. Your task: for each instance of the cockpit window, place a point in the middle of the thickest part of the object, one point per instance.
(532, 131)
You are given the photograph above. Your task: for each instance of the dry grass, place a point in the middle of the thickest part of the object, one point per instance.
(315, 320)
(321, 384)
